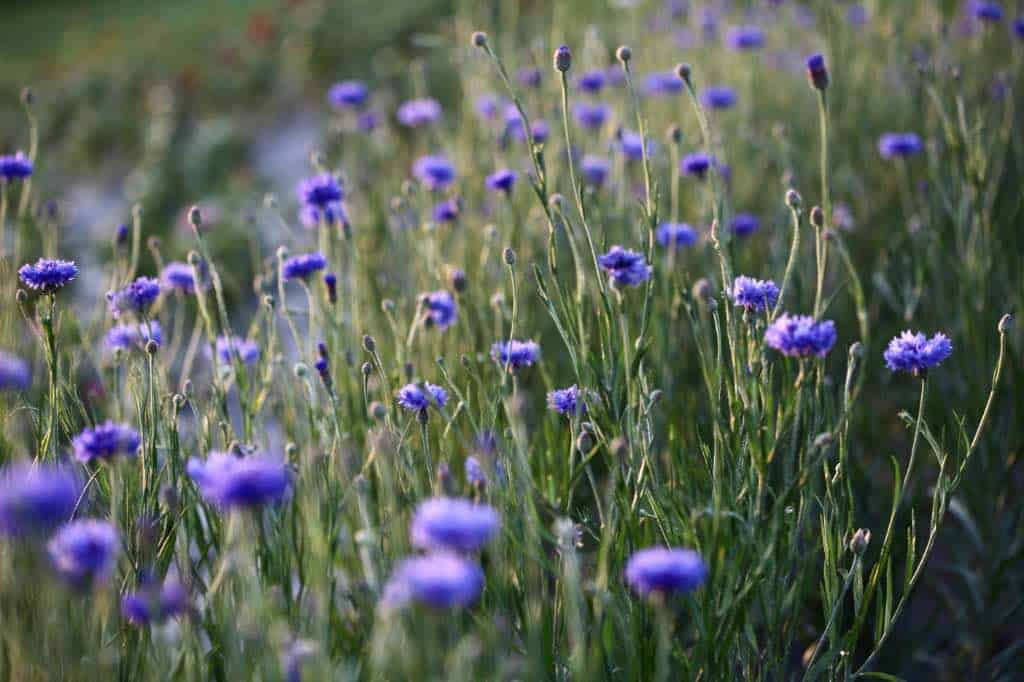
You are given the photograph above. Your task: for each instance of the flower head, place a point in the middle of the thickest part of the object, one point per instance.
(501, 180)
(569, 401)
(515, 354)
(817, 72)
(663, 571)
(36, 498)
(745, 38)
(230, 482)
(84, 552)
(475, 475)
(899, 145)
(595, 169)
(529, 76)
(451, 524)
(591, 115)
(488, 106)
(322, 191)
(417, 399)
(1018, 27)
(419, 112)
(137, 297)
(625, 267)
(348, 94)
(47, 275)
(591, 81)
(696, 164)
(915, 352)
(127, 336)
(230, 347)
(446, 211)
(442, 311)
(986, 11)
(675, 235)
(718, 97)
(439, 581)
(435, 171)
(154, 603)
(14, 373)
(801, 336)
(303, 265)
(757, 295)
(662, 83)
(178, 276)
(632, 147)
(106, 442)
(745, 224)
(15, 166)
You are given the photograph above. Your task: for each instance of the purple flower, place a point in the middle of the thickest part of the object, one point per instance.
(15, 167)
(745, 224)
(475, 475)
(154, 603)
(178, 276)
(126, 336)
(446, 211)
(745, 38)
(569, 401)
(915, 353)
(106, 442)
(47, 276)
(456, 525)
(718, 97)
(417, 399)
(14, 373)
(595, 170)
(662, 83)
(1018, 27)
(695, 164)
(36, 498)
(663, 571)
(590, 115)
(592, 81)
(899, 145)
(501, 180)
(435, 171)
(322, 191)
(419, 112)
(348, 94)
(529, 76)
(986, 11)
(84, 552)
(801, 336)
(488, 106)
(441, 309)
(514, 126)
(138, 297)
(515, 354)
(676, 235)
(303, 265)
(631, 146)
(625, 267)
(230, 482)
(228, 348)
(367, 121)
(857, 15)
(439, 581)
(757, 295)
(313, 217)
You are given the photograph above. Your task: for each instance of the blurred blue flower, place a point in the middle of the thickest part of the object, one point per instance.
(178, 276)
(231, 482)
(348, 94)
(899, 145)
(986, 11)
(154, 603)
(134, 336)
(695, 164)
(446, 211)
(662, 83)
(14, 373)
(745, 37)
(441, 309)
(322, 191)
(591, 115)
(106, 442)
(515, 354)
(435, 171)
(138, 297)
(569, 401)
(247, 350)
(456, 525)
(745, 224)
(631, 146)
(419, 112)
(475, 475)
(625, 267)
(675, 235)
(439, 581)
(801, 336)
(595, 169)
(303, 265)
(502, 180)
(15, 166)
(718, 97)
(84, 552)
(417, 399)
(36, 498)
(663, 571)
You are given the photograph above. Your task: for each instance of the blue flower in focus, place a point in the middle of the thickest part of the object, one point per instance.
(15, 166)
(46, 275)
(625, 267)
(663, 571)
(232, 482)
(84, 552)
(915, 353)
(138, 297)
(696, 164)
(416, 113)
(35, 499)
(745, 38)
(501, 180)
(592, 81)
(435, 171)
(446, 211)
(569, 401)
(417, 399)
(515, 354)
(595, 170)
(591, 115)
(675, 235)
(127, 336)
(348, 94)
(801, 336)
(899, 145)
(14, 373)
(744, 224)
(455, 525)
(303, 265)
(662, 83)
(718, 97)
(441, 309)
(757, 295)
(154, 603)
(106, 442)
(440, 581)
(228, 348)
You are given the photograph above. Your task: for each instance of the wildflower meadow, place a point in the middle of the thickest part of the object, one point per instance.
(572, 340)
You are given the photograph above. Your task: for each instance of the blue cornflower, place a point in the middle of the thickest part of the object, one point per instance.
(756, 295)
(137, 297)
(303, 265)
(745, 224)
(178, 276)
(417, 399)
(631, 145)
(47, 276)
(419, 112)
(441, 310)
(625, 267)
(475, 475)
(348, 94)
(488, 106)
(745, 38)
(15, 167)
(695, 164)
(228, 348)
(435, 171)
(322, 191)
(1018, 27)
(501, 180)
(595, 169)
(592, 81)
(154, 603)
(817, 71)
(36, 498)
(899, 145)
(313, 217)
(14, 373)
(569, 401)
(514, 126)
(915, 353)
(663, 571)
(675, 235)
(84, 552)
(801, 336)
(986, 11)
(662, 83)
(367, 121)
(529, 76)
(446, 211)
(439, 581)
(456, 525)
(515, 354)
(126, 336)
(857, 15)
(106, 442)
(590, 115)
(230, 482)
(718, 97)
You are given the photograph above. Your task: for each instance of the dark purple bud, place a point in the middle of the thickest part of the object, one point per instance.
(563, 58)
(121, 235)
(817, 71)
(331, 282)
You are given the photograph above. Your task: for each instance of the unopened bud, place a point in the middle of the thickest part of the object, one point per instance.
(509, 255)
(479, 39)
(793, 199)
(817, 217)
(369, 345)
(563, 59)
(624, 54)
(683, 72)
(1005, 323)
(859, 542)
